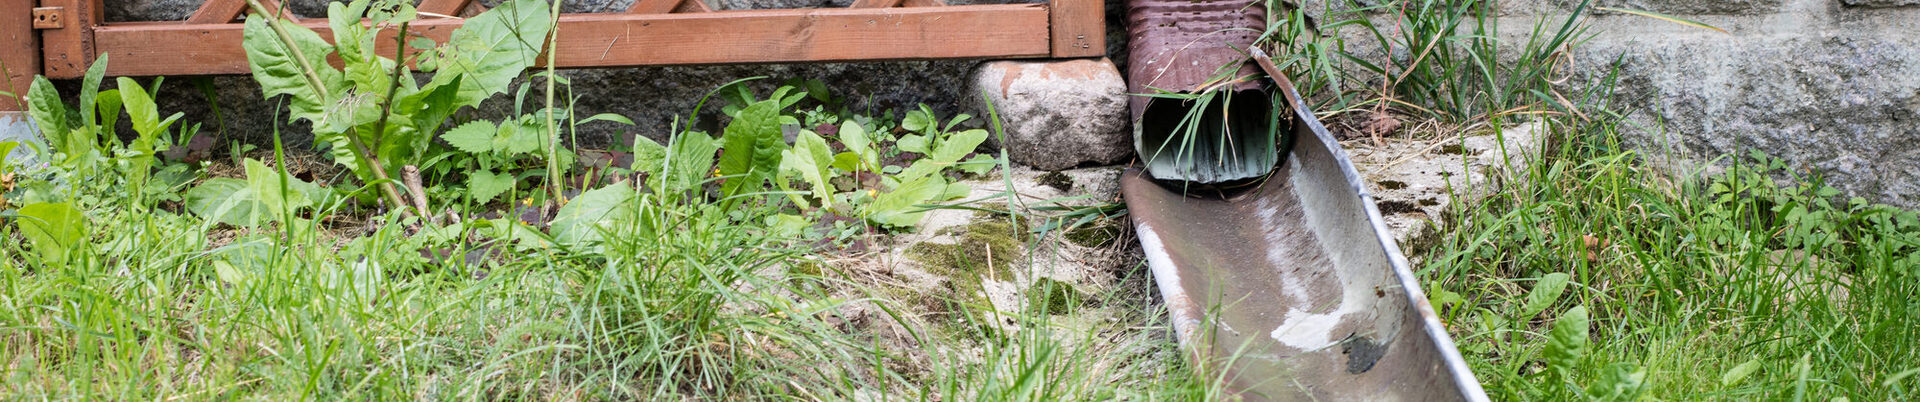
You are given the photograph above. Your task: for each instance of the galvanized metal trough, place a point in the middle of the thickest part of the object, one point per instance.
(1286, 285)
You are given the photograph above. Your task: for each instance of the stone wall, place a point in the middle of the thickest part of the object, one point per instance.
(1830, 86)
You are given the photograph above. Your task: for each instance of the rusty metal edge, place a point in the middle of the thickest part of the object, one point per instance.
(1180, 305)
(1462, 375)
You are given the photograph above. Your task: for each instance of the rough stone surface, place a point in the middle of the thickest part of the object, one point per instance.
(1058, 114)
(1415, 182)
(1845, 108)
(1881, 3)
(1832, 87)
(16, 127)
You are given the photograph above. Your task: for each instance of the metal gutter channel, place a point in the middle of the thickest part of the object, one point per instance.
(1295, 287)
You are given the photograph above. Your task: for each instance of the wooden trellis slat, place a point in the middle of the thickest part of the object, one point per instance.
(19, 51)
(224, 11)
(612, 40)
(651, 32)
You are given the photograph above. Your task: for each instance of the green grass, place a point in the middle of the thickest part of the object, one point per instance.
(1598, 276)
(1729, 286)
(682, 300)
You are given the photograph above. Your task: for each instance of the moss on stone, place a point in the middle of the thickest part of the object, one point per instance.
(1096, 234)
(1057, 180)
(987, 249)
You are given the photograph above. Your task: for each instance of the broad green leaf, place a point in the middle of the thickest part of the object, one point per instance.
(955, 191)
(6, 147)
(54, 117)
(274, 194)
(475, 137)
(810, 158)
(914, 143)
(1618, 382)
(1546, 291)
(897, 208)
(1567, 342)
(493, 48)
(958, 145)
(522, 137)
(916, 121)
(52, 228)
(690, 158)
(648, 157)
(1739, 373)
(847, 161)
(141, 110)
(858, 142)
(584, 217)
(224, 200)
(979, 164)
(109, 104)
(753, 144)
(279, 73)
(90, 88)
(483, 185)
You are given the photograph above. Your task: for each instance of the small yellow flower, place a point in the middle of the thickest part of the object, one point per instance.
(871, 193)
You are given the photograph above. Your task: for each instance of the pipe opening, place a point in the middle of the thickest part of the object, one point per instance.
(1217, 137)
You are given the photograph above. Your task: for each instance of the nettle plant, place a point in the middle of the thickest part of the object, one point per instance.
(372, 115)
(832, 165)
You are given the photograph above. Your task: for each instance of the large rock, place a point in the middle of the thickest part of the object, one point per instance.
(1842, 108)
(1058, 114)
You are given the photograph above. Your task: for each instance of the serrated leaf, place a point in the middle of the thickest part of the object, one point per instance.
(484, 185)
(1739, 373)
(648, 157)
(753, 145)
(52, 228)
(527, 137)
(274, 66)
(1545, 291)
(690, 160)
(493, 48)
(475, 137)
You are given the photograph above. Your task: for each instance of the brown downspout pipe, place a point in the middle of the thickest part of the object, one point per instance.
(1199, 47)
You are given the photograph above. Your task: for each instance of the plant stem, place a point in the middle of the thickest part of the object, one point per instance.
(554, 180)
(386, 111)
(313, 79)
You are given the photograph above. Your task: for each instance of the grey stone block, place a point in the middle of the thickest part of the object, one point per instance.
(1844, 108)
(1059, 114)
(16, 127)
